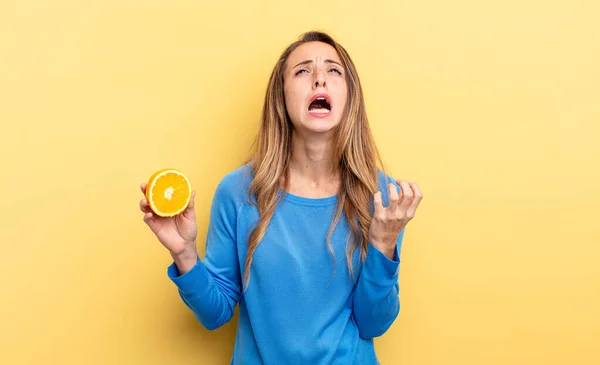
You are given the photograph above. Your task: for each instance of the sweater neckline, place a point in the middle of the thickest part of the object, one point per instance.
(297, 199)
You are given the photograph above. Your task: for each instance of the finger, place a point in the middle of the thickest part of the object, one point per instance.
(149, 219)
(418, 196)
(143, 188)
(394, 199)
(407, 195)
(144, 207)
(378, 205)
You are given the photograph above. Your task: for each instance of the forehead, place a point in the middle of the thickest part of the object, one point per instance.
(315, 51)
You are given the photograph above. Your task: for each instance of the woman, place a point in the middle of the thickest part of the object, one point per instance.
(306, 235)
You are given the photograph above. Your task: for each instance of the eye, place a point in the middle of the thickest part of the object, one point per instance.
(335, 70)
(300, 71)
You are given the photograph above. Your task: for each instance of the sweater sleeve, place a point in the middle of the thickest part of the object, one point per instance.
(376, 301)
(212, 288)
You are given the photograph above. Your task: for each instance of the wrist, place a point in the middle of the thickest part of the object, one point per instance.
(186, 259)
(386, 249)
(188, 251)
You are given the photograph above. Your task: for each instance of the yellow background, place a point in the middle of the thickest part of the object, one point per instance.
(491, 106)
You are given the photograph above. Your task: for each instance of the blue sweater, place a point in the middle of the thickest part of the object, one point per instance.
(296, 310)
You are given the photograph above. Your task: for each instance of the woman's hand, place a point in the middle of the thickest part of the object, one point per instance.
(178, 233)
(388, 222)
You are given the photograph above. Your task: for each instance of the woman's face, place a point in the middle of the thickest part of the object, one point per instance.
(315, 87)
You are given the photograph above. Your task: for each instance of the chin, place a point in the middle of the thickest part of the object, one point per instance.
(321, 126)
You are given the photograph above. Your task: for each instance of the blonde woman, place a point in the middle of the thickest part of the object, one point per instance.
(306, 235)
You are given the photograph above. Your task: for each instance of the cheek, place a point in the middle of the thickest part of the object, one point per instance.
(342, 96)
(288, 92)
(290, 104)
(292, 100)
(292, 107)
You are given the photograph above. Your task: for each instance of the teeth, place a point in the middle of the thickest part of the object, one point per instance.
(319, 111)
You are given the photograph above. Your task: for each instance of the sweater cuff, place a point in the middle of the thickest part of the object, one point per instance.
(194, 282)
(379, 270)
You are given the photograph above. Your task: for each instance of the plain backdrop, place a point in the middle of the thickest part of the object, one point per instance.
(492, 107)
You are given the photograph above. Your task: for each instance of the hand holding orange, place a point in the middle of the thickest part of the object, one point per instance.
(168, 210)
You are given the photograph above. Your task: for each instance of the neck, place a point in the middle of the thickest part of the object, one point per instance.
(311, 159)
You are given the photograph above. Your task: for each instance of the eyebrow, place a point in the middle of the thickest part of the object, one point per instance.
(310, 61)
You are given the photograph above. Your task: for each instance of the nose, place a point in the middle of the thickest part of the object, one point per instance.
(319, 79)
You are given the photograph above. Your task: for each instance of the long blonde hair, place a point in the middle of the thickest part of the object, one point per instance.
(354, 157)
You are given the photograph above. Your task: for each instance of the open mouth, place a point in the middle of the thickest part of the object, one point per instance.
(320, 106)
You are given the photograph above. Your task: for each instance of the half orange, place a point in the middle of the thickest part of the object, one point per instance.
(168, 192)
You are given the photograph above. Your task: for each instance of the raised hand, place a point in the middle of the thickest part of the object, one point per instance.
(388, 222)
